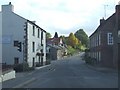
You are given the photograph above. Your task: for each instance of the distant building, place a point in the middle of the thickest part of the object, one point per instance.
(104, 41)
(56, 49)
(22, 40)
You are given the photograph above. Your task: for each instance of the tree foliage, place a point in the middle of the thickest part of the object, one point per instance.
(72, 40)
(82, 36)
(48, 35)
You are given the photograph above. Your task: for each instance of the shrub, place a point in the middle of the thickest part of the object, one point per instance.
(38, 65)
(90, 60)
(23, 67)
(47, 62)
(71, 50)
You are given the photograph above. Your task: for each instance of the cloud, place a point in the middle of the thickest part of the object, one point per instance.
(64, 16)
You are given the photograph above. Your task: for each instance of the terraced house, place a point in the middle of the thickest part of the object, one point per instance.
(104, 42)
(22, 40)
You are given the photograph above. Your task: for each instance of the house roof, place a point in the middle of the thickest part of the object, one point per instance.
(53, 41)
(56, 47)
(105, 22)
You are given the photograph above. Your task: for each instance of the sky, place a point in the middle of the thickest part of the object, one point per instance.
(64, 16)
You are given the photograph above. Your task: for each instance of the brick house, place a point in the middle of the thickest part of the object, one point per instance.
(103, 42)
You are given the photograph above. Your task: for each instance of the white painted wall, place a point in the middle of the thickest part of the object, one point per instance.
(12, 29)
(31, 39)
(0, 37)
(7, 76)
(37, 41)
(44, 46)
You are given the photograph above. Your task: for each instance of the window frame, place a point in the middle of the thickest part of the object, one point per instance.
(109, 38)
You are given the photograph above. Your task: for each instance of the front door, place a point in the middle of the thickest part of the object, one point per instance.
(33, 62)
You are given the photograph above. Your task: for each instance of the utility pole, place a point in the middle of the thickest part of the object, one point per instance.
(105, 11)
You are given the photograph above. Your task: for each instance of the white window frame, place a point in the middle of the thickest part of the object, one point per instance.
(99, 56)
(109, 38)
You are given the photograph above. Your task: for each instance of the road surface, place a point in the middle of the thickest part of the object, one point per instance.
(71, 72)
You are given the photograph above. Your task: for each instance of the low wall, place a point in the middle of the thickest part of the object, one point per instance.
(7, 75)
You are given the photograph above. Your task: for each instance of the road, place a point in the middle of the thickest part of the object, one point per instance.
(71, 72)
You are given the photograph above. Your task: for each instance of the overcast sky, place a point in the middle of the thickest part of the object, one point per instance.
(64, 16)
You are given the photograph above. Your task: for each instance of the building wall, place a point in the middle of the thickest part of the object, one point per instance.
(53, 53)
(0, 37)
(44, 46)
(37, 40)
(116, 54)
(12, 29)
(107, 50)
(99, 47)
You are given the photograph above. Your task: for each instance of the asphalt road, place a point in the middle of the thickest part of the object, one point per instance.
(71, 72)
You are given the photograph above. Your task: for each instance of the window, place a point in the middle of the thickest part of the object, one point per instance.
(110, 39)
(33, 46)
(16, 60)
(16, 43)
(33, 61)
(33, 30)
(42, 35)
(99, 40)
(99, 56)
(38, 33)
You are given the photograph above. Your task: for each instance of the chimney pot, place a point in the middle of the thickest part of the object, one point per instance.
(9, 3)
(102, 21)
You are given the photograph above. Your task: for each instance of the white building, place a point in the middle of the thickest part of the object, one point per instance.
(20, 32)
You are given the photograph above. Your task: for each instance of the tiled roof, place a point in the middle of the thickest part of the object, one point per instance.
(53, 41)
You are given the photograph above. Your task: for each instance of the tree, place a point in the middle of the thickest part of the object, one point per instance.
(82, 36)
(72, 40)
(56, 35)
(48, 35)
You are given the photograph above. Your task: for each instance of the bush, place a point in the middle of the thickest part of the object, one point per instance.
(90, 60)
(47, 62)
(38, 64)
(71, 50)
(23, 67)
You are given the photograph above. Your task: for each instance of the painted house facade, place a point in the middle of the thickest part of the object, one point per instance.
(22, 40)
(103, 42)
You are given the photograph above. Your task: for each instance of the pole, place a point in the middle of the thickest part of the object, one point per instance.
(105, 11)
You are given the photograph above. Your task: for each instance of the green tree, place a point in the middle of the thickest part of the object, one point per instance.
(82, 36)
(71, 40)
(48, 35)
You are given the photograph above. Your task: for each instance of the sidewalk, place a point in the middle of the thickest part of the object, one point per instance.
(22, 78)
(22, 74)
(102, 69)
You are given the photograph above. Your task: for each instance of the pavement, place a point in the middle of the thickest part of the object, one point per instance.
(22, 78)
(22, 74)
(102, 69)
(70, 72)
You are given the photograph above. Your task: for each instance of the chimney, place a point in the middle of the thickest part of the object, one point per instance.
(34, 21)
(102, 21)
(8, 8)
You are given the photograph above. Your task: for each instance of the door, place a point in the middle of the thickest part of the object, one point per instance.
(33, 61)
